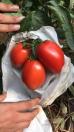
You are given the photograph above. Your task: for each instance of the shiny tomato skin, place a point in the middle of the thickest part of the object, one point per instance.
(19, 55)
(33, 74)
(50, 55)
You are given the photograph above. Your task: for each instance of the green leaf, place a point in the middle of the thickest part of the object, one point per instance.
(65, 20)
(28, 4)
(72, 90)
(62, 125)
(10, 1)
(73, 117)
(15, 1)
(6, 1)
(59, 121)
(34, 21)
(72, 15)
(63, 108)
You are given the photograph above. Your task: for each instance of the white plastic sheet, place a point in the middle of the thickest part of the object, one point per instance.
(54, 86)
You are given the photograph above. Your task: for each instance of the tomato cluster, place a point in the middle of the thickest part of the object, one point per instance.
(49, 57)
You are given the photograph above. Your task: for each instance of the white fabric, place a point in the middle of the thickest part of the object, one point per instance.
(54, 86)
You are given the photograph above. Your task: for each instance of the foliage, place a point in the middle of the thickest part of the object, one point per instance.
(56, 13)
(34, 20)
(47, 12)
(61, 113)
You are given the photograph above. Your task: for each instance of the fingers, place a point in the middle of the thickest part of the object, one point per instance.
(18, 120)
(22, 125)
(9, 23)
(27, 116)
(8, 7)
(30, 115)
(24, 119)
(2, 97)
(15, 115)
(10, 19)
(9, 27)
(25, 105)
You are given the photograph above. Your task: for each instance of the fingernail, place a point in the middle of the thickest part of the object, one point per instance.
(15, 7)
(20, 18)
(16, 27)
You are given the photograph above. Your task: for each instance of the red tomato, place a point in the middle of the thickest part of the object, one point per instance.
(19, 55)
(33, 74)
(51, 55)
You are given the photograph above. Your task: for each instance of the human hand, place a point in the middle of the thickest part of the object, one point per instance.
(9, 23)
(14, 116)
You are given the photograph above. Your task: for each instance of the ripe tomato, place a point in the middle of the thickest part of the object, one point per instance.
(33, 74)
(51, 55)
(19, 55)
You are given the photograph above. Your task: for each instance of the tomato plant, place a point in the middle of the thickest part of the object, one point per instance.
(19, 55)
(33, 74)
(51, 55)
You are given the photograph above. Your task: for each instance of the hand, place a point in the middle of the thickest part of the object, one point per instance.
(9, 23)
(15, 115)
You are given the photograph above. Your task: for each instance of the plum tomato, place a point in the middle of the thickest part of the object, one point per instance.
(33, 74)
